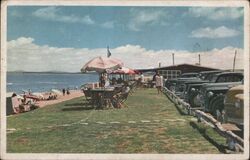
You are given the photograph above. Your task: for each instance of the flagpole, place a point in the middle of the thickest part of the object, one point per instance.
(108, 52)
(234, 60)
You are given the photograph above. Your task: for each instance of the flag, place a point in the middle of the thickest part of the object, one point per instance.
(108, 52)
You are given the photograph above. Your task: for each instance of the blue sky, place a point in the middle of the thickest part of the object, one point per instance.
(142, 37)
(153, 28)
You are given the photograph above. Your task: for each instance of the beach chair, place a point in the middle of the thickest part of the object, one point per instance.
(120, 99)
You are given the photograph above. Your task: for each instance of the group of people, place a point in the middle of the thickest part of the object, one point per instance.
(105, 81)
(65, 91)
(157, 80)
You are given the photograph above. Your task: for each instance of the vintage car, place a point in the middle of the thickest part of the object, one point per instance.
(207, 75)
(234, 105)
(192, 90)
(173, 84)
(189, 75)
(212, 95)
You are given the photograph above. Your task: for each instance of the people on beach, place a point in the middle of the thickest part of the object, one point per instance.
(14, 95)
(68, 92)
(63, 90)
(29, 91)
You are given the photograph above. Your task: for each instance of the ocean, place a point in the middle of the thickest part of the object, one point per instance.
(41, 82)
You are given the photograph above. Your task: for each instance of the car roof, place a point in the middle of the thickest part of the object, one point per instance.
(216, 71)
(233, 73)
(191, 73)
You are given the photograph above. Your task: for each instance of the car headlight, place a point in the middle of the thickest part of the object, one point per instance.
(237, 104)
(210, 94)
(193, 89)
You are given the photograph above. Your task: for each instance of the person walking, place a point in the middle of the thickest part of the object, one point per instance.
(158, 82)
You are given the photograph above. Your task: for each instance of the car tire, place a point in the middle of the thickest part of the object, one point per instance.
(192, 97)
(217, 104)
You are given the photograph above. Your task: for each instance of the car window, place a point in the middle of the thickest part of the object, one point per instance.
(221, 79)
(234, 78)
(214, 78)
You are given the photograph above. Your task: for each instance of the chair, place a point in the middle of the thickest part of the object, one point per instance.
(120, 99)
(87, 94)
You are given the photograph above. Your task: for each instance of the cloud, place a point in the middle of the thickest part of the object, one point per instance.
(220, 32)
(140, 18)
(24, 54)
(216, 13)
(52, 14)
(108, 24)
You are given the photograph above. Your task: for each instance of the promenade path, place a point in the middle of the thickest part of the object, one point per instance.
(150, 124)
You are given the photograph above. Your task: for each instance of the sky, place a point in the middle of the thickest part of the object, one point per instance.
(64, 38)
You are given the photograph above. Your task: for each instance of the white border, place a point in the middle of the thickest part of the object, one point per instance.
(228, 3)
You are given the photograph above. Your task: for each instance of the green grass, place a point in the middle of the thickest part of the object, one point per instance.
(42, 130)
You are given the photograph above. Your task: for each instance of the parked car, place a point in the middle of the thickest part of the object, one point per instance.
(212, 95)
(192, 90)
(207, 75)
(189, 75)
(234, 106)
(173, 84)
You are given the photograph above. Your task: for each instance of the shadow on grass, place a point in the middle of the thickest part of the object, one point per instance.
(202, 131)
(78, 108)
(78, 104)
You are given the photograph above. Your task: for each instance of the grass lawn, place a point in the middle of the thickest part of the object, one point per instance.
(151, 124)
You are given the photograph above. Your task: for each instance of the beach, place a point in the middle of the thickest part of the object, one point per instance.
(60, 98)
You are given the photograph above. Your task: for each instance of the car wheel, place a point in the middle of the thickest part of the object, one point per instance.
(217, 105)
(193, 100)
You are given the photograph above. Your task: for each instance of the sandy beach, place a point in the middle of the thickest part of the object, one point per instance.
(61, 98)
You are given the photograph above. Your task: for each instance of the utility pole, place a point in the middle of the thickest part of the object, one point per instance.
(199, 59)
(234, 60)
(173, 58)
(159, 64)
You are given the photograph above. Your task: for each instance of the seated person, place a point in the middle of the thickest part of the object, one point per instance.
(113, 81)
(68, 92)
(119, 81)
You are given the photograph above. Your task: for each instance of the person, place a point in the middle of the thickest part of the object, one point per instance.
(156, 73)
(113, 81)
(106, 84)
(63, 90)
(102, 80)
(158, 82)
(119, 81)
(142, 78)
(29, 91)
(153, 80)
(68, 92)
(14, 95)
(24, 99)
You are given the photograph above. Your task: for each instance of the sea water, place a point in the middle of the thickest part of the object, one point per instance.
(42, 82)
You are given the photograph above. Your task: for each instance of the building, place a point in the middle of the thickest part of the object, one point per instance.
(175, 70)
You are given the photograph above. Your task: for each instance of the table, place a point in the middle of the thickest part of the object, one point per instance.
(102, 96)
